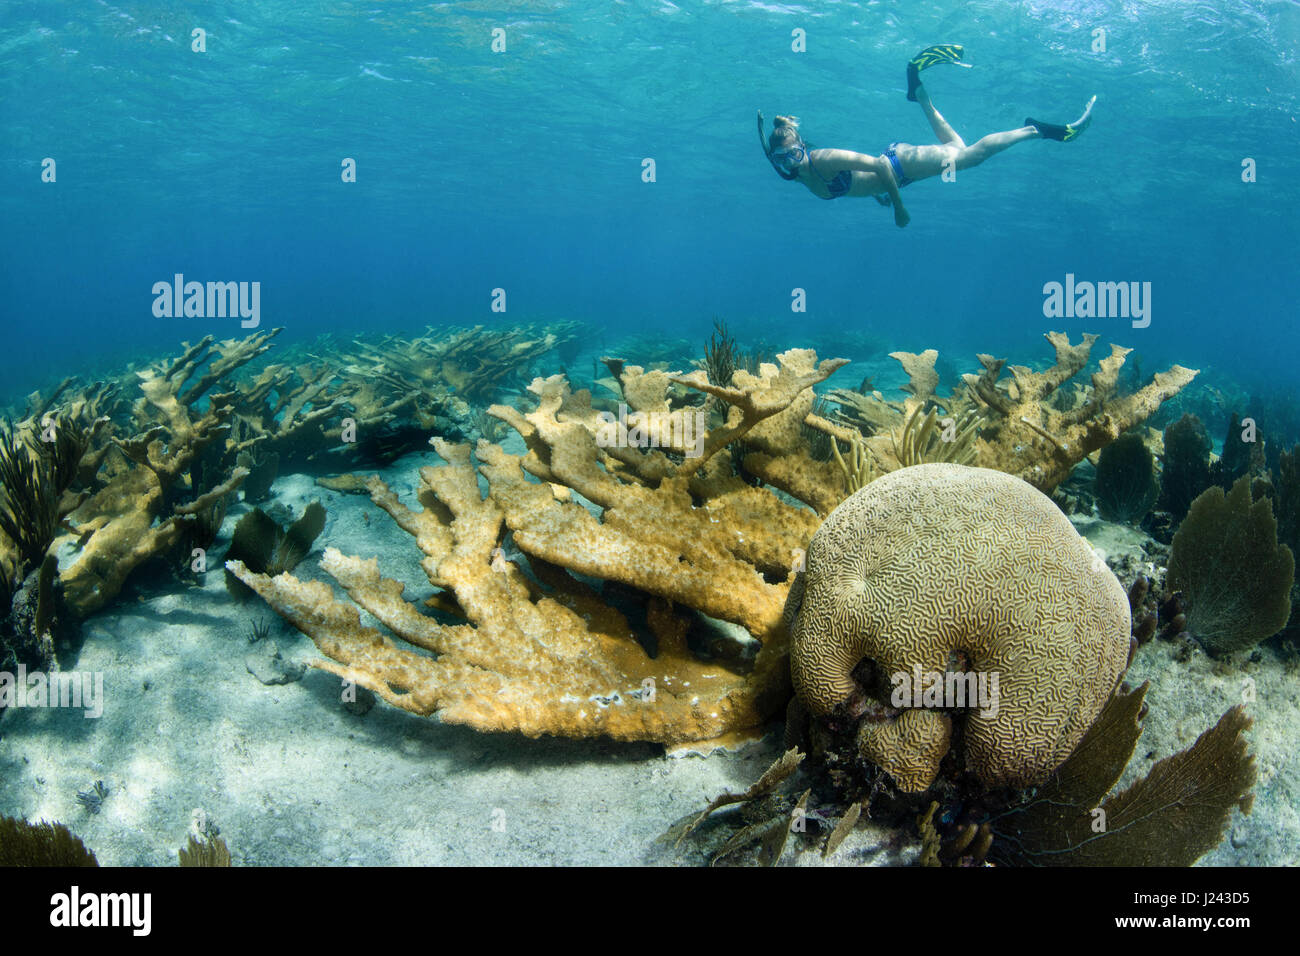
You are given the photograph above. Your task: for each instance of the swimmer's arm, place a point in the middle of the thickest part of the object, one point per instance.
(886, 172)
(831, 161)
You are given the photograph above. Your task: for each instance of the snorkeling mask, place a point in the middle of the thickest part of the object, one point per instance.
(787, 160)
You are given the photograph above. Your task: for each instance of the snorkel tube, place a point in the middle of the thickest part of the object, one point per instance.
(762, 141)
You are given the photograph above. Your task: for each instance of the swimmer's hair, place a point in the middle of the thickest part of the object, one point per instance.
(785, 132)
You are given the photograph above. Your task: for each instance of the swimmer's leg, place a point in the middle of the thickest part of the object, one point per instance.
(945, 133)
(994, 143)
(922, 162)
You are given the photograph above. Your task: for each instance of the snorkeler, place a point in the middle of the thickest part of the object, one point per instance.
(831, 173)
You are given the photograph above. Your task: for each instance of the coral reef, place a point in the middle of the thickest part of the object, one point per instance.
(1243, 454)
(640, 576)
(1029, 426)
(210, 851)
(34, 623)
(722, 356)
(1234, 577)
(296, 415)
(135, 481)
(1126, 484)
(265, 547)
(920, 441)
(29, 498)
(1185, 470)
(1171, 817)
(538, 648)
(262, 467)
(943, 568)
(769, 829)
(1286, 500)
(473, 362)
(1025, 415)
(43, 464)
(41, 844)
(332, 405)
(139, 513)
(760, 827)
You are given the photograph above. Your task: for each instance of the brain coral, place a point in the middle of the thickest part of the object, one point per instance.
(950, 568)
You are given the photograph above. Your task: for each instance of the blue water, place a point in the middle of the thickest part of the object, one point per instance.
(521, 170)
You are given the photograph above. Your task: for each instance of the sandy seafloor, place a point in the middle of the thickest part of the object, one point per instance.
(292, 778)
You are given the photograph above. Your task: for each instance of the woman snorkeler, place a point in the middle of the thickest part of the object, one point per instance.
(831, 173)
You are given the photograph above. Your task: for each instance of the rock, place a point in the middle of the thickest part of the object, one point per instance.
(21, 640)
(266, 664)
(202, 827)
